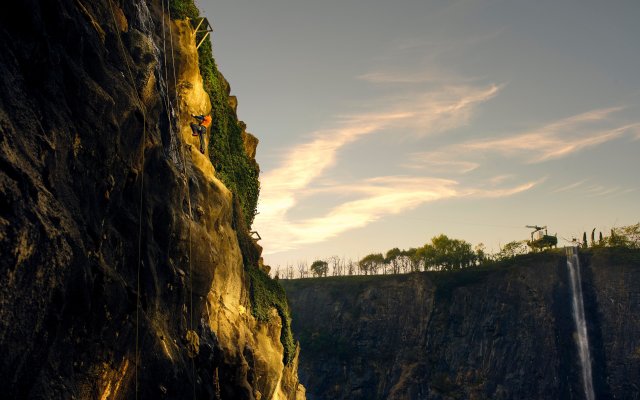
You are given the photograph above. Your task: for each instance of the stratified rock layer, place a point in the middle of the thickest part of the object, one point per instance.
(500, 333)
(117, 238)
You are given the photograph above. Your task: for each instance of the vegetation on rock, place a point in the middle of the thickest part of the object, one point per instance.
(443, 253)
(181, 9)
(266, 294)
(234, 167)
(240, 174)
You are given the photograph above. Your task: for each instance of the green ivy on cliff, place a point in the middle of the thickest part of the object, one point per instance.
(233, 166)
(265, 294)
(240, 174)
(181, 9)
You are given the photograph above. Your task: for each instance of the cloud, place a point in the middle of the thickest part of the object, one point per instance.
(425, 113)
(440, 162)
(304, 166)
(378, 197)
(543, 146)
(447, 109)
(594, 190)
(569, 187)
(551, 141)
(504, 192)
(600, 190)
(306, 162)
(607, 192)
(301, 174)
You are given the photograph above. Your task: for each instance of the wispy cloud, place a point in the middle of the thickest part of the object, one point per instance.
(570, 186)
(306, 164)
(427, 113)
(594, 190)
(379, 197)
(303, 170)
(601, 190)
(439, 162)
(447, 109)
(552, 141)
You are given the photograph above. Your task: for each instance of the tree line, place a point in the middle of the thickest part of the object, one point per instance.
(442, 253)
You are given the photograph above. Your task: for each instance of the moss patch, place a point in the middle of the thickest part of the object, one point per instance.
(181, 9)
(265, 294)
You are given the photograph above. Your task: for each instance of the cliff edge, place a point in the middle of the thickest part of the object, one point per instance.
(504, 332)
(123, 269)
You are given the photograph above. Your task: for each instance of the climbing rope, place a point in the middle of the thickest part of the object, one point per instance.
(184, 170)
(167, 100)
(184, 166)
(144, 140)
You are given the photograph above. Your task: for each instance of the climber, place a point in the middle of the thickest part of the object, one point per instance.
(200, 129)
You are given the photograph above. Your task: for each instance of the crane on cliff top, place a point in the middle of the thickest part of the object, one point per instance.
(542, 240)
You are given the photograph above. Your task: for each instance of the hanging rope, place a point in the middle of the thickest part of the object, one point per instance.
(178, 105)
(184, 170)
(144, 139)
(167, 100)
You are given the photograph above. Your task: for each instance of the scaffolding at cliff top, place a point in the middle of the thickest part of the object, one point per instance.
(202, 26)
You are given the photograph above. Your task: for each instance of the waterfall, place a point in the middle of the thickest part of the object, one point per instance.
(573, 265)
(146, 25)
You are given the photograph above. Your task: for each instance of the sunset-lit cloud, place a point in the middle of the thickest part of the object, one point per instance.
(399, 122)
(593, 190)
(447, 109)
(433, 112)
(378, 197)
(438, 162)
(301, 174)
(304, 165)
(546, 145)
(551, 141)
(570, 186)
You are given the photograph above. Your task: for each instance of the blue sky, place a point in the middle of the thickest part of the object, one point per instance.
(383, 124)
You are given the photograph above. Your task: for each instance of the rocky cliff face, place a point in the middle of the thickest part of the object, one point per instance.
(500, 333)
(121, 275)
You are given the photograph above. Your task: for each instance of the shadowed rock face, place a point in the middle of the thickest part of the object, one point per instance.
(500, 333)
(95, 191)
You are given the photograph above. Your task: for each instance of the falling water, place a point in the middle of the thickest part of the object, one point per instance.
(145, 24)
(573, 264)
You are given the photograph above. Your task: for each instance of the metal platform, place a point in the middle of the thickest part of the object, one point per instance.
(202, 26)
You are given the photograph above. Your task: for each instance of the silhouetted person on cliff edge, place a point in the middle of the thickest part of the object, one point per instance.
(200, 129)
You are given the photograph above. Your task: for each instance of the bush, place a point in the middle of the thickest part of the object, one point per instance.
(181, 9)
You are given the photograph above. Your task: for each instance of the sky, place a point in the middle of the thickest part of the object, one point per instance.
(383, 124)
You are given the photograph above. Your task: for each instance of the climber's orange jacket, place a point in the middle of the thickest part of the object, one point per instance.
(206, 122)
